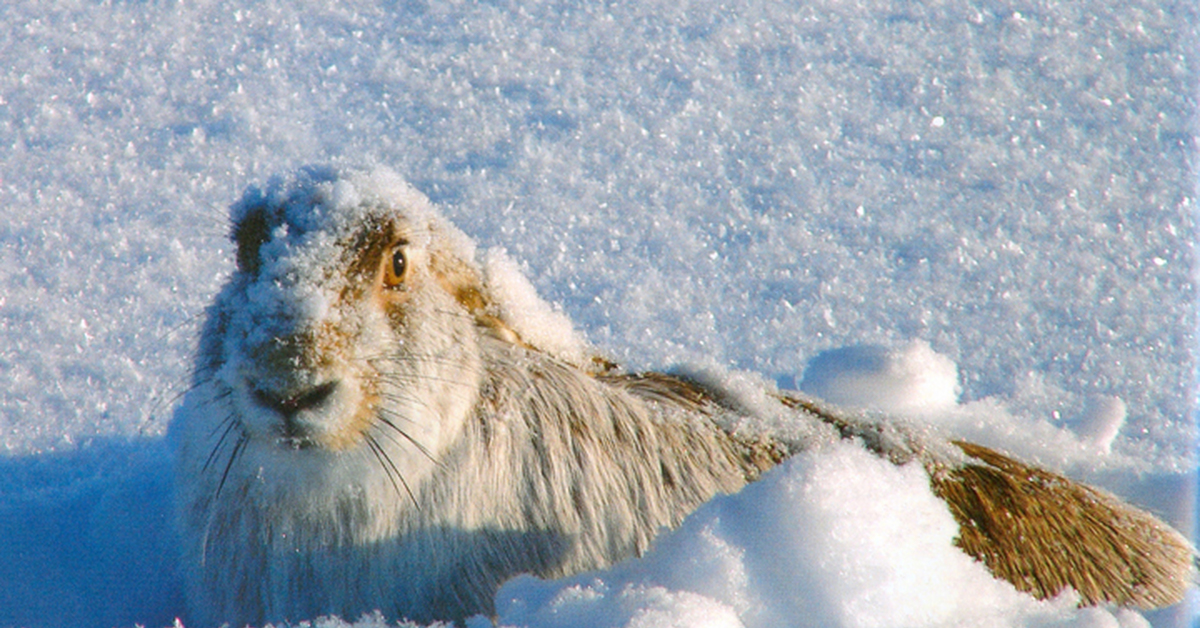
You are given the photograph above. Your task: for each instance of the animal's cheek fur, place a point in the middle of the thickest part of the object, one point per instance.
(396, 306)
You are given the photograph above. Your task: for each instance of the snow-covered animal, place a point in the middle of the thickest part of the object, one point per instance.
(377, 422)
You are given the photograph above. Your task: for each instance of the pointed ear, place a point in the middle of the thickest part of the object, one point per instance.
(463, 281)
(251, 230)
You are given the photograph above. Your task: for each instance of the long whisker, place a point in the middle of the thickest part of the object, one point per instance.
(389, 468)
(195, 319)
(405, 378)
(174, 392)
(404, 357)
(402, 395)
(238, 448)
(224, 394)
(421, 448)
(230, 425)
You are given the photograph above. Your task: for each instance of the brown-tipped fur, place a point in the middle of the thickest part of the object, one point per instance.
(1043, 533)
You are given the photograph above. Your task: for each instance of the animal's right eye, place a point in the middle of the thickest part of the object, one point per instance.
(249, 234)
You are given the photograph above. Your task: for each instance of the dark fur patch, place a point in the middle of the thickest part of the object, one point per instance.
(366, 251)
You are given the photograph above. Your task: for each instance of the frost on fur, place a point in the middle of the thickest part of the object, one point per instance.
(379, 421)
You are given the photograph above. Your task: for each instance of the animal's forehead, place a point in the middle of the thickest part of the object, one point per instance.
(320, 221)
(319, 204)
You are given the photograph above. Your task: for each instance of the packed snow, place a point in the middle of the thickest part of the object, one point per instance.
(976, 215)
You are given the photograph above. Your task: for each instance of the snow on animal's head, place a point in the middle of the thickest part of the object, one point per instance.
(346, 282)
(303, 240)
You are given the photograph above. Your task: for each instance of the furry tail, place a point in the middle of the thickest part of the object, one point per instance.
(1036, 529)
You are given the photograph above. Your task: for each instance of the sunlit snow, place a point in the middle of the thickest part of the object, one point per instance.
(979, 215)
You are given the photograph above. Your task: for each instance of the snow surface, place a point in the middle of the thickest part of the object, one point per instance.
(1009, 185)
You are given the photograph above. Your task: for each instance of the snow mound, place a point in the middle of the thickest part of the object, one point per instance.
(911, 380)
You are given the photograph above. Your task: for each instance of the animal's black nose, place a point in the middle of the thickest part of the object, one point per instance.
(289, 404)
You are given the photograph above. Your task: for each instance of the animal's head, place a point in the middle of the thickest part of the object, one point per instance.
(350, 329)
(352, 336)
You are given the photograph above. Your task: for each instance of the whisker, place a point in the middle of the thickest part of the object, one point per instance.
(405, 357)
(172, 393)
(404, 396)
(224, 394)
(161, 400)
(238, 448)
(421, 448)
(411, 378)
(389, 468)
(230, 424)
(195, 319)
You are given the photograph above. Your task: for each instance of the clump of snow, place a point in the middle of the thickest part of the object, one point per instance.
(919, 384)
(536, 321)
(757, 402)
(911, 380)
(331, 202)
(1101, 421)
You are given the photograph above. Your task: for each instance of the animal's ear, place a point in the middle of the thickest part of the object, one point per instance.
(250, 232)
(1044, 533)
(463, 281)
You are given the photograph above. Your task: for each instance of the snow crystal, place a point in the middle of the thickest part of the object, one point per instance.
(752, 187)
